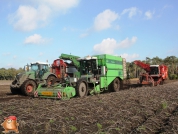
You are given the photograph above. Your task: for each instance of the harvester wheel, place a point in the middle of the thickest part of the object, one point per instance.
(28, 87)
(50, 80)
(15, 90)
(81, 88)
(116, 85)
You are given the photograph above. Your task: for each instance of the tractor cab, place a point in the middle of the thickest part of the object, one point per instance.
(39, 68)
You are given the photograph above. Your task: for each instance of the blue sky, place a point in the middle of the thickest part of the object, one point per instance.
(40, 30)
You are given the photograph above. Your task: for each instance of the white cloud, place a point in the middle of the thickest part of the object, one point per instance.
(127, 42)
(28, 18)
(130, 58)
(109, 45)
(15, 56)
(7, 54)
(149, 15)
(41, 54)
(59, 4)
(103, 20)
(167, 6)
(34, 39)
(131, 11)
(106, 46)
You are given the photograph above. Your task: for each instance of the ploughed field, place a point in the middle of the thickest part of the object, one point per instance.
(136, 110)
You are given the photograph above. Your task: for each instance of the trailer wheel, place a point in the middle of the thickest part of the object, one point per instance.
(28, 87)
(50, 80)
(116, 85)
(81, 88)
(162, 82)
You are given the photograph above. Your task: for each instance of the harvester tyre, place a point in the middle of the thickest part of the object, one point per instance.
(81, 88)
(50, 79)
(116, 85)
(28, 88)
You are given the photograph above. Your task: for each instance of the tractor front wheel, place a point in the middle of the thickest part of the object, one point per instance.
(82, 89)
(28, 88)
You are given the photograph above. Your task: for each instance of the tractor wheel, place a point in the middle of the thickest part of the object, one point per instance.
(115, 85)
(28, 87)
(50, 80)
(81, 88)
(15, 90)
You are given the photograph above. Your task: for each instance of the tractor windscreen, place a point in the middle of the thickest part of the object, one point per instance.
(87, 66)
(34, 67)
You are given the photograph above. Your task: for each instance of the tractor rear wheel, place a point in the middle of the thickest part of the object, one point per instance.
(28, 88)
(115, 85)
(50, 80)
(81, 88)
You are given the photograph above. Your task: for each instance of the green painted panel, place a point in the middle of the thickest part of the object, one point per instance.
(105, 81)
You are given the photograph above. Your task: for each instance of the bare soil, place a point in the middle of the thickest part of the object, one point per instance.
(149, 110)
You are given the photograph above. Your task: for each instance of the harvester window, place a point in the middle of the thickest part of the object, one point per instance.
(154, 70)
(88, 66)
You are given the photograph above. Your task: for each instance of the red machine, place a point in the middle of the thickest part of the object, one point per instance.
(155, 74)
(59, 68)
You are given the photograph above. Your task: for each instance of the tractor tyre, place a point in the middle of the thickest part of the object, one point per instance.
(50, 80)
(28, 88)
(116, 85)
(15, 90)
(81, 89)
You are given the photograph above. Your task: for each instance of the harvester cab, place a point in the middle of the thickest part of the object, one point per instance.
(88, 66)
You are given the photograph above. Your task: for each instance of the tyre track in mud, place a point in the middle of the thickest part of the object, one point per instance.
(6, 95)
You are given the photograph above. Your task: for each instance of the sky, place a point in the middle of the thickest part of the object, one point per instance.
(40, 30)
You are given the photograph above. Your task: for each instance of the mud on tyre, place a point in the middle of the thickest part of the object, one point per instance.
(115, 85)
(28, 87)
(82, 88)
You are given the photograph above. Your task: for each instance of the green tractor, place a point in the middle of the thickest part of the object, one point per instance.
(95, 74)
(27, 81)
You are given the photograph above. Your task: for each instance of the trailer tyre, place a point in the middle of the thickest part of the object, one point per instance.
(81, 88)
(28, 88)
(116, 84)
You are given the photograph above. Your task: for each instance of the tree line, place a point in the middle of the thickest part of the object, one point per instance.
(134, 70)
(9, 74)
